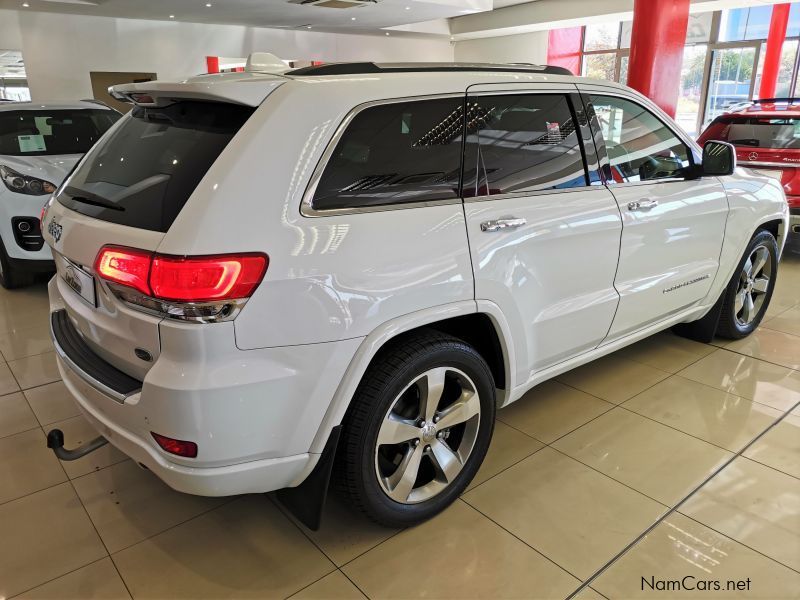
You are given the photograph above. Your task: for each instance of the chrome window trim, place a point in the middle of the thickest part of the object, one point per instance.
(691, 145)
(535, 193)
(758, 163)
(307, 203)
(534, 92)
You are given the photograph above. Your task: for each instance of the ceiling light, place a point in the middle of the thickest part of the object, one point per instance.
(172, 16)
(26, 5)
(387, 33)
(352, 18)
(408, 8)
(208, 4)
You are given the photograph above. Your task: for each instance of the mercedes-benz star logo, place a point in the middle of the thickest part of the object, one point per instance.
(753, 156)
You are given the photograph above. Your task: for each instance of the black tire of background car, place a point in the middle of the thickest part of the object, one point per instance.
(390, 372)
(728, 326)
(10, 276)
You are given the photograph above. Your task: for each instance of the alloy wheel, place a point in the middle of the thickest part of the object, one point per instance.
(753, 285)
(427, 435)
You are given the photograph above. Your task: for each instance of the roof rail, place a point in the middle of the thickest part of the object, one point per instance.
(95, 101)
(360, 68)
(775, 100)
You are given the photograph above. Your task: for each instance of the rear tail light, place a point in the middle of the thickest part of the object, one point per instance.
(124, 266)
(177, 447)
(206, 279)
(206, 288)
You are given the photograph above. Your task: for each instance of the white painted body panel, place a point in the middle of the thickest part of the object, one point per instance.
(261, 394)
(539, 274)
(666, 248)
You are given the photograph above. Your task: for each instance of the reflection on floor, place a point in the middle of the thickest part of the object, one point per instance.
(667, 464)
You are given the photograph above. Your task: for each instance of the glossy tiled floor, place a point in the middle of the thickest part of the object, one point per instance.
(669, 459)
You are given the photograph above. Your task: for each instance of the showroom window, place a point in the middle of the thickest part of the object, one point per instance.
(640, 147)
(396, 153)
(521, 143)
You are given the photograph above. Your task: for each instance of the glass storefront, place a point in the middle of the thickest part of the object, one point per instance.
(723, 60)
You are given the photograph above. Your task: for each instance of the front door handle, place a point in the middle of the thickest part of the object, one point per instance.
(643, 204)
(502, 224)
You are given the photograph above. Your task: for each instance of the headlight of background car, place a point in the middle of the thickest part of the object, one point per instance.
(25, 184)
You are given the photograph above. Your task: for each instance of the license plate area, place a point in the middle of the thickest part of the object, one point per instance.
(81, 282)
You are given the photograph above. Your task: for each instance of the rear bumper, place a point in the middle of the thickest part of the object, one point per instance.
(244, 478)
(253, 414)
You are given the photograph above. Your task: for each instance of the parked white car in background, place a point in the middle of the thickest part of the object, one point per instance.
(263, 275)
(39, 145)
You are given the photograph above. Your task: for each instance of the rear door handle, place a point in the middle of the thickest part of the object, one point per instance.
(502, 224)
(643, 204)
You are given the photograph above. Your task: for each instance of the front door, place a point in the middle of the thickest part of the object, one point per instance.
(673, 222)
(544, 232)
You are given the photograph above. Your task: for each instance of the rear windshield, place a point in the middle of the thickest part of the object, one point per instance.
(43, 132)
(756, 132)
(144, 171)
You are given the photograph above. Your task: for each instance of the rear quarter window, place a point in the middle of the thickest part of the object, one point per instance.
(144, 171)
(395, 153)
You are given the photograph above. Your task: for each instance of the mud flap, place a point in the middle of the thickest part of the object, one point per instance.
(704, 329)
(307, 500)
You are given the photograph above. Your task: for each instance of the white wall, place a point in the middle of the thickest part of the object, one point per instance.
(526, 47)
(60, 50)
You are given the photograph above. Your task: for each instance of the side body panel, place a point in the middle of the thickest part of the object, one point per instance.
(672, 231)
(333, 277)
(558, 300)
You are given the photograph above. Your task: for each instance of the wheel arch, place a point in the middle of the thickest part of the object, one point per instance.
(485, 330)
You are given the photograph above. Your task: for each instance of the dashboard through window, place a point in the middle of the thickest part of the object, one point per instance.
(521, 143)
(640, 146)
(395, 153)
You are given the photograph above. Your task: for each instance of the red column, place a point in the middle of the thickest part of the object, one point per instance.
(657, 41)
(212, 64)
(564, 48)
(772, 58)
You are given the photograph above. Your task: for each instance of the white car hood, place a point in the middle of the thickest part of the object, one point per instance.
(49, 168)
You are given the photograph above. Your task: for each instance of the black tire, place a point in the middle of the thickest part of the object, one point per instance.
(394, 371)
(731, 323)
(10, 276)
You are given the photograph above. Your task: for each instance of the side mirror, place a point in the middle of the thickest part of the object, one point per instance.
(719, 158)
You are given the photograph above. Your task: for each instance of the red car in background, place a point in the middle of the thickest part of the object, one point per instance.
(766, 134)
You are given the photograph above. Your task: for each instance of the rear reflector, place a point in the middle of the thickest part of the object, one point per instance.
(183, 279)
(177, 447)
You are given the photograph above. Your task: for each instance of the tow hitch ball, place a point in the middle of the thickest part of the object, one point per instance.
(55, 441)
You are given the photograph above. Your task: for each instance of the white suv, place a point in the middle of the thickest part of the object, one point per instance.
(267, 277)
(39, 145)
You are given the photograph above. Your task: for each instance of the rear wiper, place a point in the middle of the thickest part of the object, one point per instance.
(97, 201)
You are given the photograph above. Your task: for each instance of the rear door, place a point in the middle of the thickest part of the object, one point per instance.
(127, 192)
(673, 221)
(544, 232)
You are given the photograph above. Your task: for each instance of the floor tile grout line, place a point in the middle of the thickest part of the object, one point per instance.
(516, 537)
(308, 585)
(730, 393)
(52, 579)
(676, 508)
(777, 470)
(622, 483)
(722, 533)
(287, 513)
(514, 464)
(353, 582)
(173, 526)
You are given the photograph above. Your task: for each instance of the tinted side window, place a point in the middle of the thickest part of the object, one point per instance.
(640, 147)
(521, 143)
(395, 153)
